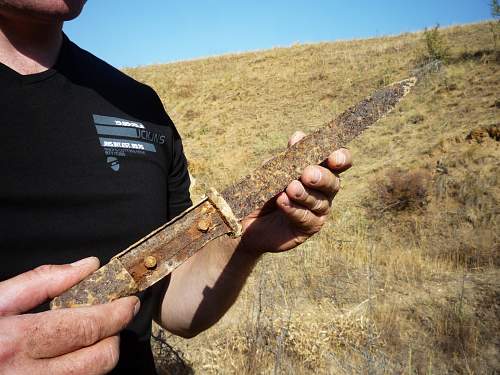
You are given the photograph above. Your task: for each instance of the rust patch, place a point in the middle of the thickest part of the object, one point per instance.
(173, 243)
(108, 283)
(204, 224)
(253, 191)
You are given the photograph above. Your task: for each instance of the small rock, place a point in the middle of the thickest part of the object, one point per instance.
(477, 135)
(416, 119)
(480, 134)
(494, 132)
(452, 87)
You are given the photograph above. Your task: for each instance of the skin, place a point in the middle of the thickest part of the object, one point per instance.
(206, 286)
(30, 32)
(69, 341)
(84, 340)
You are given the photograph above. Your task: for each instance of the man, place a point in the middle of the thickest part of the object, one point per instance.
(90, 163)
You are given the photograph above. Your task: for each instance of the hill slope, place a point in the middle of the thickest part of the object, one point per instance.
(405, 276)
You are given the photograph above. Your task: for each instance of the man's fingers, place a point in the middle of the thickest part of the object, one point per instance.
(30, 289)
(339, 160)
(97, 359)
(53, 333)
(322, 179)
(297, 136)
(309, 198)
(302, 218)
(318, 185)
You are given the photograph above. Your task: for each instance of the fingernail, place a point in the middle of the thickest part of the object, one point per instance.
(137, 307)
(316, 176)
(285, 200)
(339, 158)
(300, 190)
(85, 262)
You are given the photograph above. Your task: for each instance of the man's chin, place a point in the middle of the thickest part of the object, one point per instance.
(43, 10)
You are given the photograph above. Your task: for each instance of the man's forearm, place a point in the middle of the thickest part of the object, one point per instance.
(204, 288)
(201, 290)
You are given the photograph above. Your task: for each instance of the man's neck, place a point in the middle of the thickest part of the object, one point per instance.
(28, 46)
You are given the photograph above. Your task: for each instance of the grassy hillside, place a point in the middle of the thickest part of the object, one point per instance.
(405, 276)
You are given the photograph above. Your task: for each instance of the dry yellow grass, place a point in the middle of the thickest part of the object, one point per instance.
(414, 291)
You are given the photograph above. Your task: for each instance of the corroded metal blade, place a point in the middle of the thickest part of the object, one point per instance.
(150, 259)
(253, 191)
(156, 255)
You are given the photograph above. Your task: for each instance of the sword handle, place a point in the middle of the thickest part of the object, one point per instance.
(108, 283)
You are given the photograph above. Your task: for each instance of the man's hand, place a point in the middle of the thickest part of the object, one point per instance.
(202, 289)
(68, 341)
(300, 211)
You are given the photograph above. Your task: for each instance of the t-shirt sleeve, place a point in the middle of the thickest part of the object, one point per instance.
(178, 181)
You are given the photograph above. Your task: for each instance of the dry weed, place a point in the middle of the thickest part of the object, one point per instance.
(397, 190)
(428, 264)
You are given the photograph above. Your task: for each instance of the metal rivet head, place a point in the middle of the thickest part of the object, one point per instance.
(204, 224)
(150, 262)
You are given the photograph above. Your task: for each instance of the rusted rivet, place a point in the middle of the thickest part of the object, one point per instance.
(150, 262)
(204, 224)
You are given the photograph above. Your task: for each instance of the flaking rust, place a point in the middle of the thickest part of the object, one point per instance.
(182, 237)
(106, 284)
(148, 260)
(253, 191)
(159, 253)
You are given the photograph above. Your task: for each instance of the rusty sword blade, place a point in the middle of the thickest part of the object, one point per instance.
(159, 253)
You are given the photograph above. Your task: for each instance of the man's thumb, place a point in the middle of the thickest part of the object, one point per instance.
(32, 288)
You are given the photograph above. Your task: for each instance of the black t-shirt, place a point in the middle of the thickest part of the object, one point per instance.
(89, 163)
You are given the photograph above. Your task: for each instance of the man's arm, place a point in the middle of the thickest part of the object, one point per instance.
(204, 288)
(76, 341)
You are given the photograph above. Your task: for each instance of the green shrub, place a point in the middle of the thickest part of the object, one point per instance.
(436, 47)
(495, 8)
(495, 25)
